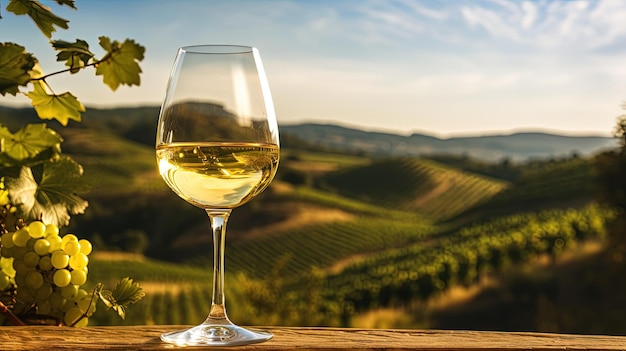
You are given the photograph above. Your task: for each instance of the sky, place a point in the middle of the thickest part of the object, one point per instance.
(444, 68)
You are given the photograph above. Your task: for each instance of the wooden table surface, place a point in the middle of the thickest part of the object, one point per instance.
(147, 338)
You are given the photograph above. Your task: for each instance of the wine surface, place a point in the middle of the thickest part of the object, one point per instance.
(217, 175)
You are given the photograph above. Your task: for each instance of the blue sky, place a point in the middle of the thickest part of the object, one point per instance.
(446, 68)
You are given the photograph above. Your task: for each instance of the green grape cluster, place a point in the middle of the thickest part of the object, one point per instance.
(47, 270)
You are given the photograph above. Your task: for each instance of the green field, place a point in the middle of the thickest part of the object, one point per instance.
(378, 275)
(395, 244)
(342, 239)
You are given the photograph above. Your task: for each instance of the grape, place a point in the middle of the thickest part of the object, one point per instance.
(60, 259)
(81, 294)
(57, 301)
(41, 247)
(48, 270)
(36, 229)
(85, 246)
(7, 240)
(68, 238)
(20, 237)
(5, 281)
(30, 243)
(82, 323)
(34, 280)
(78, 261)
(6, 251)
(30, 259)
(69, 291)
(20, 279)
(44, 307)
(68, 304)
(43, 292)
(25, 296)
(21, 268)
(62, 277)
(78, 277)
(87, 306)
(72, 315)
(72, 247)
(55, 243)
(18, 252)
(52, 230)
(45, 263)
(6, 265)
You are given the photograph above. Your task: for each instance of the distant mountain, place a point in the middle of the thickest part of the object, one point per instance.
(139, 124)
(518, 146)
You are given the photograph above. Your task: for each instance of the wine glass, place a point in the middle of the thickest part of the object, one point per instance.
(217, 148)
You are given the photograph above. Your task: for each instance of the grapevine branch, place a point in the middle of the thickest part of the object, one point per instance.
(118, 66)
(86, 313)
(71, 69)
(10, 315)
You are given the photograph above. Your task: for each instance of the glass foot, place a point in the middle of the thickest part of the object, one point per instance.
(207, 334)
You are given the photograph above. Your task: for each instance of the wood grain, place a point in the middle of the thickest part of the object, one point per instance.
(147, 338)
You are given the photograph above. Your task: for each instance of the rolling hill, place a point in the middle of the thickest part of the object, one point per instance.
(419, 185)
(129, 200)
(516, 147)
(348, 227)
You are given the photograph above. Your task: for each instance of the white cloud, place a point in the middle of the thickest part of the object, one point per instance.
(492, 21)
(435, 65)
(580, 25)
(426, 11)
(530, 14)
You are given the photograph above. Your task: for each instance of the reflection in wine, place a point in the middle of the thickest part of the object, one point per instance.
(217, 175)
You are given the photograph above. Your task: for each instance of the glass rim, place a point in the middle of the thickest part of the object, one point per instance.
(217, 49)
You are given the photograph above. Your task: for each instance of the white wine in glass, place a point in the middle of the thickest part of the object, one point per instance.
(217, 148)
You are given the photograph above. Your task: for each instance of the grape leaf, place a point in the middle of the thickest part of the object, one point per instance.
(54, 197)
(40, 14)
(69, 3)
(50, 106)
(15, 66)
(120, 64)
(75, 55)
(125, 292)
(28, 142)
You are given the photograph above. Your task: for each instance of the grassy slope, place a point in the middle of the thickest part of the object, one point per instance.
(526, 302)
(370, 227)
(366, 227)
(123, 169)
(358, 222)
(112, 163)
(555, 184)
(418, 185)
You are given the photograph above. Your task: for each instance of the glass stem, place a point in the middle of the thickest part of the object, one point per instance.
(218, 219)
